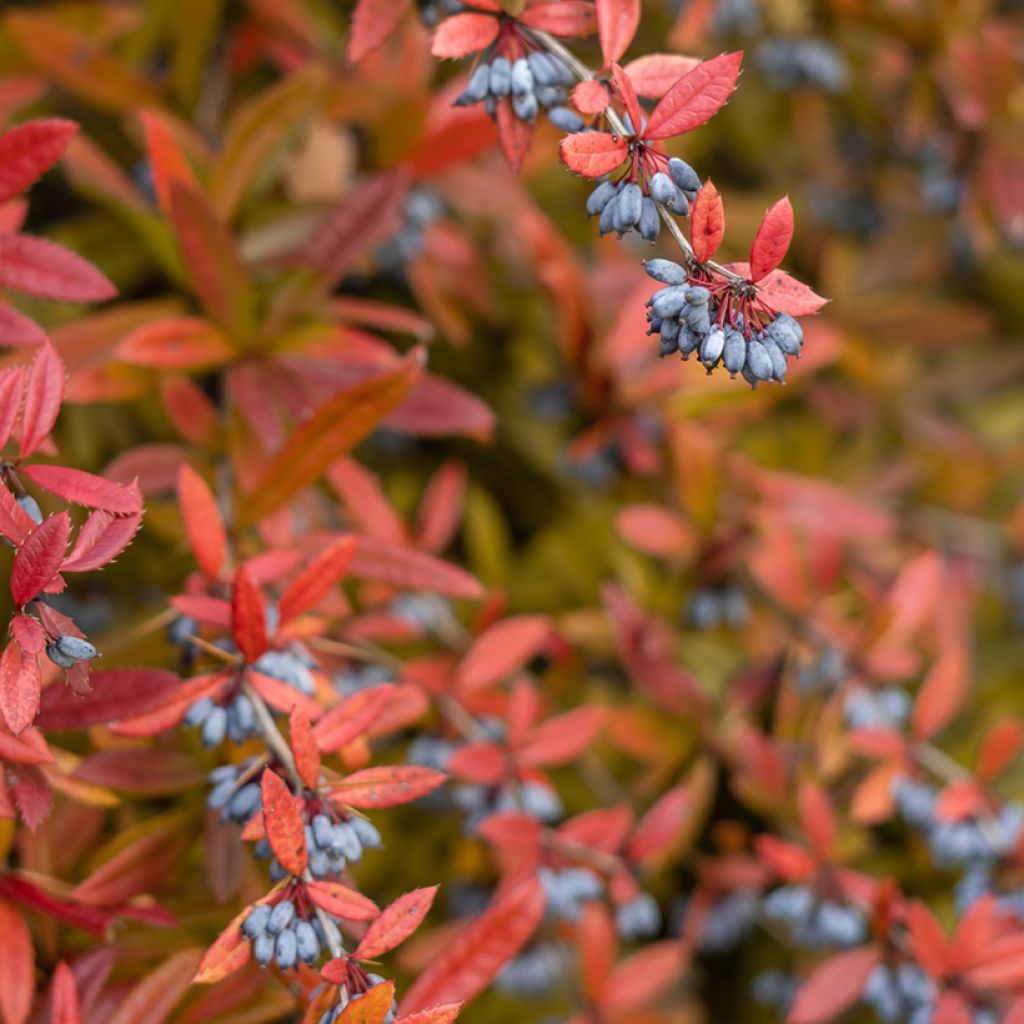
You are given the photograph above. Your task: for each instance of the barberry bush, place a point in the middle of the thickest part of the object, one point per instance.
(402, 626)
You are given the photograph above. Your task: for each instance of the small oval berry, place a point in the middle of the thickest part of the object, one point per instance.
(759, 361)
(478, 85)
(286, 949)
(665, 271)
(31, 507)
(600, 197)
(256, 923)
(281, 916)
(500, 77)
(525, 106)
(734, 354)
(215, 727)
(306, 942)
(565, 120)
(683, 175)
(629, 207)
(711, 348)
(650, 222)
(521, 80)
(263, 949)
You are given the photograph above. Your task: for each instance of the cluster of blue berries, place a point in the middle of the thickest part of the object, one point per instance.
(710, 607)
(278, 933)
(537, 971)
(730, 921)
(802, 63)
(420, 209)
(331, 846)
(884, 708)
(237, 801)
(814, 922)
(538, 81)
(687, 320)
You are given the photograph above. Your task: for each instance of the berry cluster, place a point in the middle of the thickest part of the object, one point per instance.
(278, 931)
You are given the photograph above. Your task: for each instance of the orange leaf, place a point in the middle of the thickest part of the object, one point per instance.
(817, 818)
(248, 616)
(707, 222)
(153, 999)
(230, 952)
(435, 1015)
(592, 153)
(176, 343)
(203, 523)
(386, 785)
(317, 578)
(372, 1007)
(501, 649)
(941, 694)
(65, 1007)
(396, 923)
(617, 22)
(165, 157)
(17, 966)
(771, 243)
(833, 986)
(463, 34)
(341, 901)
(304, 748)
(282, 819)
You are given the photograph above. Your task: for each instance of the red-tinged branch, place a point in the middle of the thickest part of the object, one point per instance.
(586, 74)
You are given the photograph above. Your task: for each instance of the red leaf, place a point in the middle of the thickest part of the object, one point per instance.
(85, 489)
(64, 1005)
(153, 999)
(166, 160)
(15, 523)
(655, 73)
(28, 634)
(625, 91)
(39, 558)
(386, 785)
(29, 149)
(565, 18)
(442, 507)
(785, 294)
(17, 967)
(342, 901)
(435, 1015)
(617, 22)
(282, 819)
(373, 22)
(33, 795)
(592, 153)
(20, 685)
(662, 825)
(707, 222)
(502, 649)
(927, 942)
(248, 616)
(396, 923)
(999, 748)
(352, 717)
(771, 243)
(218, 278)
(562, 738)
(833, 986)
(377, 559)
(18, 330)
(176, 343)
(203, 523)
(317, 578)
(372, 1007)
(44, 391)
(817, 818)
(282, 696)
(695, 98)
(230, 951)
(304, 748)
(46, 270)
(12, 384)
(141, 770)
(514, 135)
(463, 34)
(102, 538)
(482, 762)
(117, 693)
(591, 97)
(642, 977)
(941, 694)
(790, 862)
(464, 968)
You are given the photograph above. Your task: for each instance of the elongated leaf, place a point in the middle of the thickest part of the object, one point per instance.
(941, 695)
(203, 524)
(248, 616)
(617, 22)
(230, 952)
(352, 717)
(304, 748)
(334, 429)
(85, 489)
(218, 278)
(39, 558)
(771, 243)
(282, 820)
(29, 149)
(372, 1007)
(463, 34)
(117, 693)
(817, 818)
(562, 738)
(833, 986)
(707, 222)
(141, 770)
(12, 384)
(662, 825)
(386, 785)
(317, 578)
(15, 523)
(20, 685)
(342, 901)
(695, 98)
(44, 392)
(17, 966)
(468, 964)
(101, 539)
(153, 999)
(655, 73)
(565, 18)
(47, 270)
(64, 1004)
(166, 160)
(592, 154)
(396, 923)
(446, 1014)
(501, 649)
(373, 22)
(177, 343)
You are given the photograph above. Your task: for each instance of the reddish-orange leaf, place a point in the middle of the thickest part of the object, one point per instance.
(29, 149)
(283, 697)
(617, 21)
(386, 785)
(707, 222)
(396, 923)
(642, 977)
(176, 343)
(627, 94)
(86, 489)
(230, 952)
(317, 578)
(373, 22)
(304, 748)
(386, 562)
(596, 939)
(17, 966)
(468, 964)
(342, 901)
(502, 648)
(695, 98)
(28, 634)
(514, 135)
(167, 161)
(591, 97)
(661, 826)
(12, 385)
(441, 508)
(771, 243)
(352, 717)
(15, 523)
(39, 267)
(790, 862)
(566, 18)
(562, 738)
(372, 1007)
(483, 762)
(927, 942)
(154, 998)
(999, 748)
(44, 391)
(248, 616)
(20, 685)
(817, 818)
(64, 1005)
(282, 819)
(941, 694)
(203, 523)
(141, 769)
(463, 34)
(39, 558)
(592, 153)
(103, 536)
(785, 294)
(833, 986)
(435, 1015)
(655, 73)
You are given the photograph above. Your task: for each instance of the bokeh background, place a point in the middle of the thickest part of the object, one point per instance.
(741, 520)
